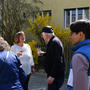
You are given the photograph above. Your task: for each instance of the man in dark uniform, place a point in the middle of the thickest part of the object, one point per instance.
(54, 59)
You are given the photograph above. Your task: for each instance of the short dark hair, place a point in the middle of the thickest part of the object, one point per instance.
(81, 26)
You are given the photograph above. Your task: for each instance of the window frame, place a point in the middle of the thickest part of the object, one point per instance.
(45, 12)
(76, 15)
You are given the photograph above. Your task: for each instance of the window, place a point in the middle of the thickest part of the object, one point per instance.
(86, 13)
(46, 12)
(80, 14)
(41, 13)
(71, 15)
(67, 18)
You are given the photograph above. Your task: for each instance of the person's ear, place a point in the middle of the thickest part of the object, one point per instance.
(82, 35)
(16, 40)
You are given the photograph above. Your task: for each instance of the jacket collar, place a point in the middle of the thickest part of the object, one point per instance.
(50, 40)
(82, 43)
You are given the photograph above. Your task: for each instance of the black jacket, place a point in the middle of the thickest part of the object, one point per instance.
(54, 58)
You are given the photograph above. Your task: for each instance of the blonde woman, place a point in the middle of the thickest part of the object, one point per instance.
(24, 53)
(11, 73)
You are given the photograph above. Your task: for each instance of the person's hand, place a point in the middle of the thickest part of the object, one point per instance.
(40, 53)
(28, 76)
(20, 53)
(33, 69)
(50, 80)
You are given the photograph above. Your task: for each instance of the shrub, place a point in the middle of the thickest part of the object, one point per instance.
(34, 50)
(64, 35)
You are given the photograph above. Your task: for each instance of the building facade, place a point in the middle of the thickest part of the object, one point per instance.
(64, 12)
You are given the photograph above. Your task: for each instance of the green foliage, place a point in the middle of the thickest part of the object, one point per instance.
(36, 26)
(14, 16)
(64, 35)
(34, 50)
(11, 21)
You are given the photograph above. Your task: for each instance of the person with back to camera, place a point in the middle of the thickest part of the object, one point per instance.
(54, 59)
(24, 53)
(79, 76)
(11, 72)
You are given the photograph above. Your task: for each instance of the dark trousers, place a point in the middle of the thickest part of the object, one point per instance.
(56, 84)
(25, 86)
(69, 87)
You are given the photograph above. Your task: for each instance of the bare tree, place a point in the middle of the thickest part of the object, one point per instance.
(13, 14)
(11, 20)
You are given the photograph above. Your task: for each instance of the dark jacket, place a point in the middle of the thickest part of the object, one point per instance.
(11, 72)
(54, 58)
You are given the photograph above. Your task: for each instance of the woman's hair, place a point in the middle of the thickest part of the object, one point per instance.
(17, 36)
(4, 44)
(81, 26)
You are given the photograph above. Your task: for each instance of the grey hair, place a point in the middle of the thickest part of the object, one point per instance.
(4, 44)
(49, 33)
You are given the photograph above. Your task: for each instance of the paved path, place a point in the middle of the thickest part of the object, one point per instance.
(38, 82)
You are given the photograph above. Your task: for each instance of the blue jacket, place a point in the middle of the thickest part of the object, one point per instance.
(84, 49)
(10, 72)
